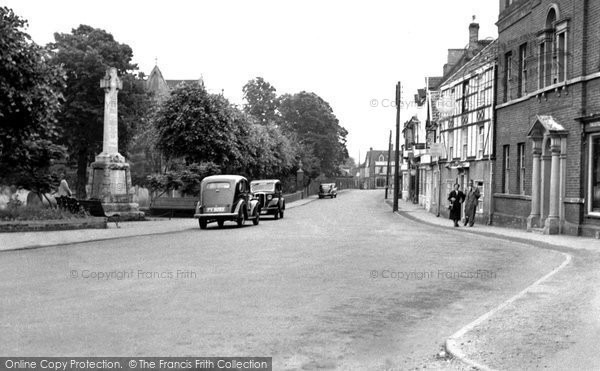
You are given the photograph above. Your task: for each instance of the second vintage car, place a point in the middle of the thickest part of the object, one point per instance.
(327, 190)
(226, 198)
(269, 193)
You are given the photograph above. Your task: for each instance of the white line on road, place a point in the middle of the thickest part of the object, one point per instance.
(452, 342)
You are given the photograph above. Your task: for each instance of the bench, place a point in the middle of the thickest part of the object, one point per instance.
(68, 203)
(94, 207)
(172, 205)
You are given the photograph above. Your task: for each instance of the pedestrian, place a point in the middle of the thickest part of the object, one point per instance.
(63, 187)
(472, 200)
(456, 199)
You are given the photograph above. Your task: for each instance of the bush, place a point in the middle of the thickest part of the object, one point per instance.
(15, 211)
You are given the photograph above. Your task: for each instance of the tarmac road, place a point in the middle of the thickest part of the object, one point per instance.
(337, 284)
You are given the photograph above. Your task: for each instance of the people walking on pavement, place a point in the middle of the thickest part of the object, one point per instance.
(472, 200)
(456, 199)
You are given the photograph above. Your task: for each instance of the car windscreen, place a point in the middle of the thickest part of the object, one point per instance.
(218, 185)
(262, 187)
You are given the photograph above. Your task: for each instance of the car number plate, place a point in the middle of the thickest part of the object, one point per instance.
(215, 209)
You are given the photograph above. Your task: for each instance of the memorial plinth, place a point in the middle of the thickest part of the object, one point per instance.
(110, 178)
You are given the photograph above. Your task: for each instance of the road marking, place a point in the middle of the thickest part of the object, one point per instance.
(452, 345)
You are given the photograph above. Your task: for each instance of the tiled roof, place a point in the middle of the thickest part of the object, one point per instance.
(485, 56)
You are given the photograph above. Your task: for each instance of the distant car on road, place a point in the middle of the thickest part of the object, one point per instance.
(269, 193)
(327, 190)
(226, 198)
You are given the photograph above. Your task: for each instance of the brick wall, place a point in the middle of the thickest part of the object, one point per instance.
(520, 23)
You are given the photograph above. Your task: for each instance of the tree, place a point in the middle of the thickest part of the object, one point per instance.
(316, 126)
(198, 126)
(29, 103)
(261, 100)
(85, 54)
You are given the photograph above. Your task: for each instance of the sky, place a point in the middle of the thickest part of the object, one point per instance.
(351, 53)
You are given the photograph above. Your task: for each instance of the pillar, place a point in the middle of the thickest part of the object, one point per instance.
(552, 224)
(534, 217)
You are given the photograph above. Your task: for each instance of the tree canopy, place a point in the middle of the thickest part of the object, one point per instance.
(315, 125)
(261, 100)
(29, 103)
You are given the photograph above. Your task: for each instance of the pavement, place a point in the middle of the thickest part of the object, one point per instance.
(549, 325)
(153, 226)
(417, 212)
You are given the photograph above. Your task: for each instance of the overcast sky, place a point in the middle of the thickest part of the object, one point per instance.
(350, 53)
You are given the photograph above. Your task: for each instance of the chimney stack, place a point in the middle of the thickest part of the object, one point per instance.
(473, 34)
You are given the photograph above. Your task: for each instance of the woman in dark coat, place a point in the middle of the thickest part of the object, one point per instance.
(456, 199)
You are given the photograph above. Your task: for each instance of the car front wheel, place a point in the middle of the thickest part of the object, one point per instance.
(276, 215)
(281, 213)
(202, 223)
(256, 219)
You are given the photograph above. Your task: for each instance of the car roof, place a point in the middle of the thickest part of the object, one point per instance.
(223, 178)
(265, 181)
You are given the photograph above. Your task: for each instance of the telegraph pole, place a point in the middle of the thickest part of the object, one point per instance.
(397, 153)
(387, 175)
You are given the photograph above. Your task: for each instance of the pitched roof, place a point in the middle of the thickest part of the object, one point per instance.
(485, 56)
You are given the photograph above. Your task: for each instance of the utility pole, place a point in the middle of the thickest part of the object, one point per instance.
(397, 154)
(387, 175)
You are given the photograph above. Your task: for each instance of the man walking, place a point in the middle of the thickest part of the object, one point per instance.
(472, 200)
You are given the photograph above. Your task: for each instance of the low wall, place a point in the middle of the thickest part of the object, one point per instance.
(53, 225)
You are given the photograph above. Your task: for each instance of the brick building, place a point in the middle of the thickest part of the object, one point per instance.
(547, 168)
(373, 170)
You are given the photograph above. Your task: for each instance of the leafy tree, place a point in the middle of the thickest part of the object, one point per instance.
(29, 104)
(261, 100)
(85, 54)
(316, 127)
(198, 127)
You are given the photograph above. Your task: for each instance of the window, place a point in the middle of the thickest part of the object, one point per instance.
(451, 144)
(522, 70)
(542, 65)
(465, 143)
(594, 175)
(505, 169)
(381, 158)
(561, 54)
(465, 97)
(508, 60)
(550, 48)
(480, 141)
(521, 167)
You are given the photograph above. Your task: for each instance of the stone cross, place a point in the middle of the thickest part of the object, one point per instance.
(111, 83)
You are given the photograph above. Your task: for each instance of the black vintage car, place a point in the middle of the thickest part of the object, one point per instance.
(226, 198)
(269, 193)
(327, 190)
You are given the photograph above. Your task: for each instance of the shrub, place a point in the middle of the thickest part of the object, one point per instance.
(15, 211)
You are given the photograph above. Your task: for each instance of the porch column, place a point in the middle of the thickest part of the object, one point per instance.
(533, 220)
(552, 222)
